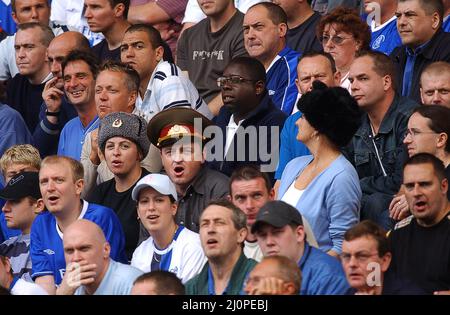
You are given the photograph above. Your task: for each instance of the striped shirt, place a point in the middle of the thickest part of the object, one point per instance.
(17, 249)
(169, 88)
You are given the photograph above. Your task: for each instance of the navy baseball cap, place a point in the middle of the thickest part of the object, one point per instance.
(25, 184)
(278, 214)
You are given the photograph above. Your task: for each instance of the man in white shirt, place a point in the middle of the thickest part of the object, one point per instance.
(162, 84)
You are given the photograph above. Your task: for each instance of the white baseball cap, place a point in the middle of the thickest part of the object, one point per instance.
(161, 183)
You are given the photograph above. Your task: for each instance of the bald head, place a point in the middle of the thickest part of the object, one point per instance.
(85, 245)
(435, 84)
(61, 46)
(277, 267)
(86, 229)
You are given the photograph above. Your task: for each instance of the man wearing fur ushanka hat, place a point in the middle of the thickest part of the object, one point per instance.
(122, 139)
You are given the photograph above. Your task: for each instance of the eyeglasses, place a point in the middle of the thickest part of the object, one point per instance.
(360, 257)
(414, 132)
(337, 40)
(234, 79)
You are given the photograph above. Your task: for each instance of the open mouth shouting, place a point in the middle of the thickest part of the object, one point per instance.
(52, 200)
(420, 206)
(178, 170)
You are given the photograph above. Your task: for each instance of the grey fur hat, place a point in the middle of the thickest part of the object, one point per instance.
(129, 126)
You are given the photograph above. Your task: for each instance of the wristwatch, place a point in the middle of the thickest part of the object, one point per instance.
(55, 114)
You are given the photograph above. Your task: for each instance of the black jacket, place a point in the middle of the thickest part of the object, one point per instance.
(438, 49)
(257, 149)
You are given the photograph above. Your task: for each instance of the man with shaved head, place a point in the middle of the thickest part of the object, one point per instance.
(90, 270)
(435, 84)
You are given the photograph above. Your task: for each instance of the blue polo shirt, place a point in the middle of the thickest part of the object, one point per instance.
(73, 135)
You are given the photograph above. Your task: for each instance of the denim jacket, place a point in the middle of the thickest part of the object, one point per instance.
(366, 151)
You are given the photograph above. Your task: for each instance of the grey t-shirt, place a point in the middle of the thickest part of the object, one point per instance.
(303, 37)
(205, 55)
(326, 6)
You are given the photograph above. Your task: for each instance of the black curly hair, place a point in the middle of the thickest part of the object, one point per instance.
(333, 112)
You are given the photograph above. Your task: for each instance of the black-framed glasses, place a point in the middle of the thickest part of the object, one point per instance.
(414, 132)
(337, 40)
(234, 79)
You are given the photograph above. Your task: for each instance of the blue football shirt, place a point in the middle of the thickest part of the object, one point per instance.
(47, 251)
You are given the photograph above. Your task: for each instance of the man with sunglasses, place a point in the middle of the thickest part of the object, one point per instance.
(249, 121)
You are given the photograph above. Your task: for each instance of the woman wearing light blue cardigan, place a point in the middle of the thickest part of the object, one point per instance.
(324, 186)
